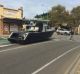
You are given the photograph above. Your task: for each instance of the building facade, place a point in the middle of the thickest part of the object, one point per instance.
(10, 20)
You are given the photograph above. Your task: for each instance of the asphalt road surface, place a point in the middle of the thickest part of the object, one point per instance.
(48, 57)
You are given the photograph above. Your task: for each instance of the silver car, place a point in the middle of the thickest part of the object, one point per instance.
(63, 32)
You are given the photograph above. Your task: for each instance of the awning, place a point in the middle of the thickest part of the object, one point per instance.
(12, 20)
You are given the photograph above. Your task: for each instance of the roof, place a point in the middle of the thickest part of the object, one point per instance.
(12, 20)
(36, 20)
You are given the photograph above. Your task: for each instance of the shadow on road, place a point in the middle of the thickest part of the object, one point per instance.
(34, 42)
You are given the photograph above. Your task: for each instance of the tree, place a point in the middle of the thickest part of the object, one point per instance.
(59, 15)
(43, 16)
(76, 15)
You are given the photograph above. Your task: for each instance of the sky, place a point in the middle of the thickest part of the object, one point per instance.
(34, 7)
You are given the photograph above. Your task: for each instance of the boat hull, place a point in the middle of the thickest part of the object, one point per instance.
(32, 37)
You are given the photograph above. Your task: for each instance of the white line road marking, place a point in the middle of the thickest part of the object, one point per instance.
(72, 67)
(6, 45)
(13, 48)
(17, 47)
(46, 65)
(57, 39)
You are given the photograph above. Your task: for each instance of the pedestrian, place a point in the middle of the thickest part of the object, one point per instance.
(71, 34)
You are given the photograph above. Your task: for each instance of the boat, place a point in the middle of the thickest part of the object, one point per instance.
(33, 33)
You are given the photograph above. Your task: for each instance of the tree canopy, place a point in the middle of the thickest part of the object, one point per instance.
(59, 15)
(76, 15)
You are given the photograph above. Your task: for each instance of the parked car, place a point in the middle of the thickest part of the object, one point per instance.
(63, 31)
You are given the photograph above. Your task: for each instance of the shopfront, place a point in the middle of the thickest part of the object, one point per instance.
(10, 20)
(12, 25)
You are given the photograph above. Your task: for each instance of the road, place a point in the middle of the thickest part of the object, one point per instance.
(48, 57)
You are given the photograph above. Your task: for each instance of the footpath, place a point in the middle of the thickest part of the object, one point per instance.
(3, 40)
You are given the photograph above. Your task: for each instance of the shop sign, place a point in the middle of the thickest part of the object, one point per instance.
(9, 13)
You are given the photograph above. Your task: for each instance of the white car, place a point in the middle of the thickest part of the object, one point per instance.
(63, 31)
